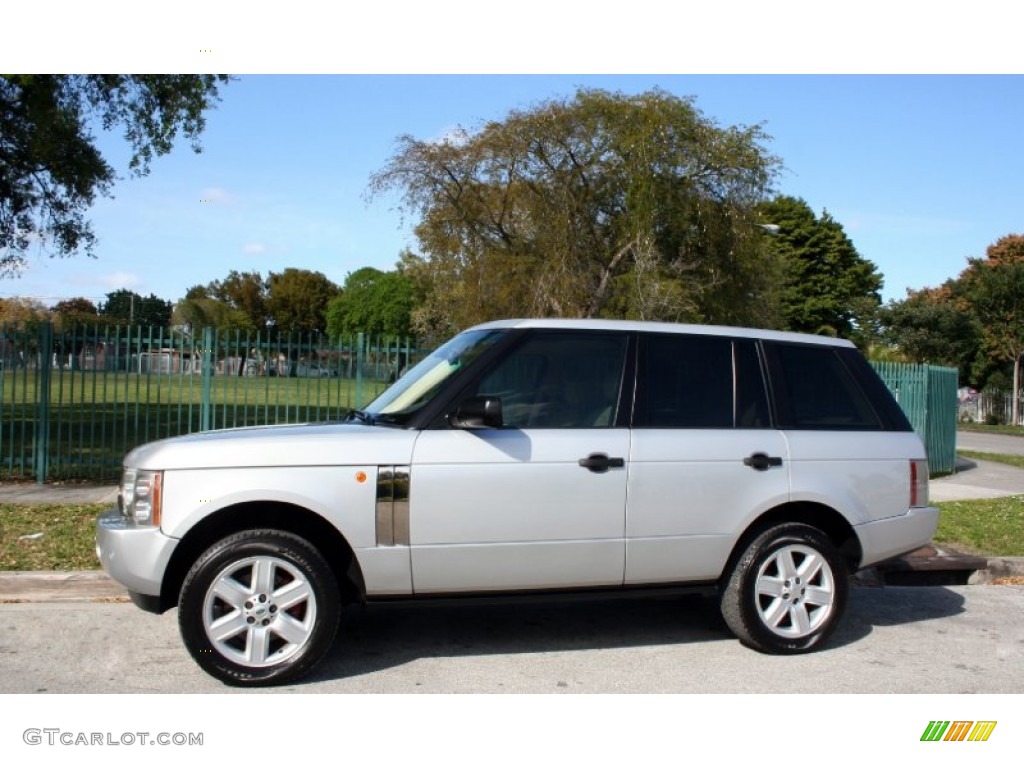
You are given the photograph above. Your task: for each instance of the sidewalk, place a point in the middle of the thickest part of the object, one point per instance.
(975, 479)
(972, 480)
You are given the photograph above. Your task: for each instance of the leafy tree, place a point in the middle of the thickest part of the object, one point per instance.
(50, 168)
(126, 306)
(195, 314)
(605, 204)
(297, 300)
(372, 301)
(933, 325)
(76, 306)
(828, 287)
(22, 312)
(246, 293)
(76, 311)
(995, 287)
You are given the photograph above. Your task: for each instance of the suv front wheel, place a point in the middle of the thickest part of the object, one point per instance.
(787, 591)
(259, 607)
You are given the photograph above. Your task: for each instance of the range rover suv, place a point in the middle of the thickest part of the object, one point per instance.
(534, 455)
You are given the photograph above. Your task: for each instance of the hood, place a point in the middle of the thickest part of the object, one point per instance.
(294, 445)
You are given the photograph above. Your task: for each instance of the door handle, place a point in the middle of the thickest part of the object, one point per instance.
(762, 461)
(601, 462)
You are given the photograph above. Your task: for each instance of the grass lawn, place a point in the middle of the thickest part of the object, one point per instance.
(68, 542)
(1002, 458)
(987, 526)
(983, 526)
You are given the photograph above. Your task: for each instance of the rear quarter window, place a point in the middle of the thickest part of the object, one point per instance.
(815, 389)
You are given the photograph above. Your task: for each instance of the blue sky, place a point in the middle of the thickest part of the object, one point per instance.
(923, 171)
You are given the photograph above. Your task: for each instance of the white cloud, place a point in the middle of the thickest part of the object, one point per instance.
(254, 248)
(216, 195)
(112, 281)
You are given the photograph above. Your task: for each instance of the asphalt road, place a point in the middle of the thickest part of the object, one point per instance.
(893, 640)
(990, 443)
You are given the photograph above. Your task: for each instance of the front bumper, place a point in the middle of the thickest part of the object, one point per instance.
(136, 556)
(895, 536)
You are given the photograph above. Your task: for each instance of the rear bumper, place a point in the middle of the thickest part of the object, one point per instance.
(894, 536)
(135, 556)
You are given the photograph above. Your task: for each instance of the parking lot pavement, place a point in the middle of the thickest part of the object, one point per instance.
(922, 640)
(989, 442)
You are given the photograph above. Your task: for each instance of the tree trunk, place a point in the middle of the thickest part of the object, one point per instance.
(1015, 404)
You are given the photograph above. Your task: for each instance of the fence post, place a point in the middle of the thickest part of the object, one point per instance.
(42, 436)
(205, 407)
(359, 370)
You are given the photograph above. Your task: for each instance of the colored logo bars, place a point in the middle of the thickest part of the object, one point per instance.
(958, 730)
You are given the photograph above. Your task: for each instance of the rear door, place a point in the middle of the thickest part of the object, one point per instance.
(704, 459)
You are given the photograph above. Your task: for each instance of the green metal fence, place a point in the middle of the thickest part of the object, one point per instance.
(928, 395)
(73, 402)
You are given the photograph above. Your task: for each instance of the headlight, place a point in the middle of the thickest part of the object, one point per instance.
(140, 497)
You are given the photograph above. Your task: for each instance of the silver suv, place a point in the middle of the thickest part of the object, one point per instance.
(534, 455)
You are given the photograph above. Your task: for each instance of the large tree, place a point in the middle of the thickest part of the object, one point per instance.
(75, 311)
(50, 168)
(297, 300)
(245, 292)
(827, 286)
(374, 302)
(22, 313)
(933, 325)
(603, 204)
(995, 288)
(124, 306)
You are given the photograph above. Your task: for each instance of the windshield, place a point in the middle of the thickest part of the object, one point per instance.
(421, 383)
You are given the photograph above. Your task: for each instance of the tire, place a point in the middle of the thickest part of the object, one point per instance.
(787, 591)
(260, 607)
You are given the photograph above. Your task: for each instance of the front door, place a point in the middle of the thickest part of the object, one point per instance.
(539, 503)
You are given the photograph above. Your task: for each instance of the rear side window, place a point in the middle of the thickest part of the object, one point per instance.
(699, 382)
(814, 389)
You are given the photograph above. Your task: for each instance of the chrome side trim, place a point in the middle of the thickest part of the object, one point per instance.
(400, 517)
(385, 506)
(392, 506)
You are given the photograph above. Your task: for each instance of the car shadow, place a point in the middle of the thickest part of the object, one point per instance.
(892, 606)
(385, 636)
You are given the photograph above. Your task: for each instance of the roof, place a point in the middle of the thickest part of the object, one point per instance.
(655, 327)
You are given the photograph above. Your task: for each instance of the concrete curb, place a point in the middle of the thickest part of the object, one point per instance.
(59, 586)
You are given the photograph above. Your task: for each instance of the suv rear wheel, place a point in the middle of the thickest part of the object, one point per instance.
(259, 607)
(787, 591)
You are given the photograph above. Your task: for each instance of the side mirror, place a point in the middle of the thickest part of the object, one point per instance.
(478, 413)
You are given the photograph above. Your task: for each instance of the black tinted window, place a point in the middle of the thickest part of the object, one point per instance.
(685, 381)
(751, 398)
(818, 391)
(567, 380)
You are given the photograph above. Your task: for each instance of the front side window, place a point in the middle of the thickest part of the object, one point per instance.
(419, 385)
(559, 380)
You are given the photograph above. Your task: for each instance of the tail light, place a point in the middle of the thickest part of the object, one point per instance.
(919, 483)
